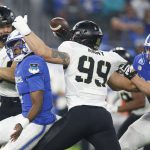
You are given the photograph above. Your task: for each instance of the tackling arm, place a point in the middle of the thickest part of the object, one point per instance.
(118, 82)
(143, 85)
(7, 73)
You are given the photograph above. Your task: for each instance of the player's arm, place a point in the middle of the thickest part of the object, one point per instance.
(41, 49)
(37, 101)
(38, 46)
(7, 73)
(143, 85)
(138, 101)
(118, 82)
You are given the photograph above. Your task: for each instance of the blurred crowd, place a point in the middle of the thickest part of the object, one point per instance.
(124, 22)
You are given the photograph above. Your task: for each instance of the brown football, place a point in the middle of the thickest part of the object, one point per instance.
(58, 24)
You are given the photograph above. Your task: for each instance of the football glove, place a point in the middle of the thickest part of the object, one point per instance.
(21, 25)
(130, 72)
(122, 68)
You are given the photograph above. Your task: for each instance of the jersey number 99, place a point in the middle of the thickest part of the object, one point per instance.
(89, 71)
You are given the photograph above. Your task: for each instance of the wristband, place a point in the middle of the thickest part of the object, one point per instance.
(132, 75)
(24, 122)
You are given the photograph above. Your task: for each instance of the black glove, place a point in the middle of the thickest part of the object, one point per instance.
(122, 68)
(130, 72)
(127, 70)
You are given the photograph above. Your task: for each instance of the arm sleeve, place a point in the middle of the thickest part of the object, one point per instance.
(135, 64)
(35, 83)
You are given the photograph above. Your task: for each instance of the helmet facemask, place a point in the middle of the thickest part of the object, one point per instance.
(147, 52)
(147, 48)
(17, 49)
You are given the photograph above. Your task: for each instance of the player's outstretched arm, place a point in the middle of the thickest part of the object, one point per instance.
(118, 82)
(38, 46)
(143, 85)
(7, 73)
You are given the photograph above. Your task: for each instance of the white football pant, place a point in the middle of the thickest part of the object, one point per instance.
(28, 138)
(137, 135)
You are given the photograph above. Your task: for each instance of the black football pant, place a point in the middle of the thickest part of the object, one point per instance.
(82, 122)
(10, 106)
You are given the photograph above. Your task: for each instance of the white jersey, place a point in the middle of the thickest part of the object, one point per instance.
(87, 74)
(6, 88)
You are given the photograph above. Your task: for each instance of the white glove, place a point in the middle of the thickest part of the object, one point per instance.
(21, 25)
(25, 18)
(112, 108)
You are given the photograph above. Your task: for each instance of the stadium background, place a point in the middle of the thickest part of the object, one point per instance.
(133, 17)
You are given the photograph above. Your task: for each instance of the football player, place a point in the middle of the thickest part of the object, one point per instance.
(87, 71)
(23, 131)
(139, 129)
(9, 102)
(136, 103)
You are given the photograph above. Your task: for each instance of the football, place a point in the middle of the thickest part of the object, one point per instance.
(58, 24)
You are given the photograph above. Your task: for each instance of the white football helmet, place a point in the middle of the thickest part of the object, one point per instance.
(147, 47)
(13, 38)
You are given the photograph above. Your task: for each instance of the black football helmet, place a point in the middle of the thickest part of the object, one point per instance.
(7, 16)
(123, 53)
(87, 33)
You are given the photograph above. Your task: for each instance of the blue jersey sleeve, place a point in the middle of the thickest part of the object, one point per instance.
(33, 73)
(138, 60)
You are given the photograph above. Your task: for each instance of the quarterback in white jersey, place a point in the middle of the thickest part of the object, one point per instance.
(87, 72)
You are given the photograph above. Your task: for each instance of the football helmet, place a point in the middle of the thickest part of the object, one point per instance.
(123, 53)
(15, 41)
(7, 16)
(147, 47)
(87, 33)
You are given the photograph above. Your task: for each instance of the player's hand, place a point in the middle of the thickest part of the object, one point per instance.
(18, 129)
(20, 24)
(25, 18)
